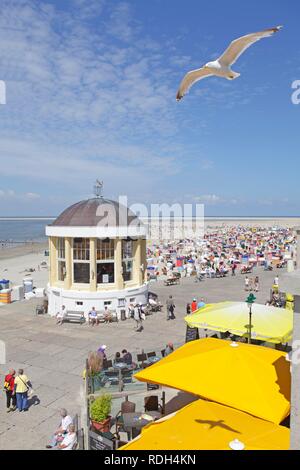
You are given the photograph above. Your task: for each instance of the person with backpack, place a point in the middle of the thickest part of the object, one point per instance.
(21, 388)
(9, 387)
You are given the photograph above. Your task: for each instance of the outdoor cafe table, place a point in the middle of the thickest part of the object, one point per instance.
(133, 424)
(121, 365)
(152, 360)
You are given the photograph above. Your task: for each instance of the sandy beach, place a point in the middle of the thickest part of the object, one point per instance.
(7, 252)
(16, 263)
(226, 222)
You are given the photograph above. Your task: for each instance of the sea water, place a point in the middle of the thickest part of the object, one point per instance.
(23, 229)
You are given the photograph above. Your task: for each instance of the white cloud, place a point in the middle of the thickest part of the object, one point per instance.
(32, 196)
(207, 164)
(10, 194)
(209, 199)
(81, 103)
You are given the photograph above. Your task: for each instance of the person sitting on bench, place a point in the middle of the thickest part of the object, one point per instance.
(60, 316)
(60, 433)
(70, 440)
(107, 315)
(93, 318)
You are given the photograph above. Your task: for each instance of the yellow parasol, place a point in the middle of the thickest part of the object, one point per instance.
(254, 379)
(269, 323)
(204, 425)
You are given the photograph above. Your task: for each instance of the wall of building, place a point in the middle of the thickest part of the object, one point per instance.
(84, 301)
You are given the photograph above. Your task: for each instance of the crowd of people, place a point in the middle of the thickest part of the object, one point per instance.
(222, 251)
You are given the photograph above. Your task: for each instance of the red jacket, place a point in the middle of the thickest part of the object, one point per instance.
(11, 380)
(194, 306)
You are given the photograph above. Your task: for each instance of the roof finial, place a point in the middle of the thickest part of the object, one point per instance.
(98, 187)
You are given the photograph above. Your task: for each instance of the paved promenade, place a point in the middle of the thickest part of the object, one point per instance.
(53, 356)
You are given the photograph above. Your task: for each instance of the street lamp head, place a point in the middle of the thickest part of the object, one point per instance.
(250, 299)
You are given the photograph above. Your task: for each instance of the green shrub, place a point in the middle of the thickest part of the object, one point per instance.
(100, 408)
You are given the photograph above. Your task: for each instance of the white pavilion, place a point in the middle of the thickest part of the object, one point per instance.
(97, 250)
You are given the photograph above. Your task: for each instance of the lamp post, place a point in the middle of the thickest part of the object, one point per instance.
(250, 301)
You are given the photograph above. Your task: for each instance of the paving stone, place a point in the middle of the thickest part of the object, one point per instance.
(54, 357)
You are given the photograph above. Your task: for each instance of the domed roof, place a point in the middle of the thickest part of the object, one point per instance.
(92, 212)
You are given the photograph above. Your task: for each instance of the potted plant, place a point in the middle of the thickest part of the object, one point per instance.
(100, 410)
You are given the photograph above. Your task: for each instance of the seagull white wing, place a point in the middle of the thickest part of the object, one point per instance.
(190, 78)
(238, 46)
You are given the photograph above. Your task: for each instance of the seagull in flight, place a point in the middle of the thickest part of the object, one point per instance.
(222, 66)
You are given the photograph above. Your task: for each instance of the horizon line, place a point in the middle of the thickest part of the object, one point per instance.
(33, 217)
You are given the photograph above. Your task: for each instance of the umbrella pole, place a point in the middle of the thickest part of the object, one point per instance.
(250, 324)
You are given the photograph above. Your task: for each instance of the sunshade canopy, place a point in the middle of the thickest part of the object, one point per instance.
(250, 378)
(204, 425)
(269, 323)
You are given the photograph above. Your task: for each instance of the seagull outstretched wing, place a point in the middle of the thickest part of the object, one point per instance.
(190, 78)
(238, 46)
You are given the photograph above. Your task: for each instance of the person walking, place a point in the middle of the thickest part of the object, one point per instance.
(170, 308)
(256, 284)
(130, 311)
(233, 268)
(138, 318)
(21, 387)
(9, 387)
(246, 283)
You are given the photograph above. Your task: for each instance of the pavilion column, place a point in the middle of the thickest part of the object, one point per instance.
(53, 260)
(119, 281)
(295, 389)
(144, 259)
(138, 274)
(68, 257)
(93, 264)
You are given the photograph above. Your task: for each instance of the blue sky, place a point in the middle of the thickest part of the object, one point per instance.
(91, 88)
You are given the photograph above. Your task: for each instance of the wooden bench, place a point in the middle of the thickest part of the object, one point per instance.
(74, 316)
(171, 281)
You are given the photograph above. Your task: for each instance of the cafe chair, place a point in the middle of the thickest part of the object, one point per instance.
(126, 407)
(141, 359)
(151, 354)
(107, 364)
(151, 403)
